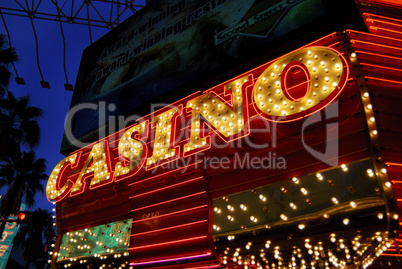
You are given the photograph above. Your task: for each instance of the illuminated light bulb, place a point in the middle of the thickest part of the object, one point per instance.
(309, 52)
(326, 79)
(309, 101)
(314, 93)
(301, 108)
(387, 184)
(270, 100)
(380, 215)
(353, 204)
(304, 191)
(337, 65)
(322, 63)
(366, 95)
(344, 167)
(295, 180)
(374, 132)
(278, 91)
(242, 206)
(283, 216)
(264, 78)
(283, 112)
(372, 119)
(319, 176)
(383, 171)
(334, 200)
(395, 216)
(292, 205)
(252, 218)
(369, 106)
(345, 221)
(314, 68)
(272, 74)
(309, 62)
(262, 197)
(334, 84)
(353, 55)
(370, 172)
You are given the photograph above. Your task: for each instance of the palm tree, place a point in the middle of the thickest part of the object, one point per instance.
(23, 175)
(18, 124)
(7, 56)
(31, 238)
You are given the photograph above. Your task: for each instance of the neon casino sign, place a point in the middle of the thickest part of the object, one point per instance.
(288, 89)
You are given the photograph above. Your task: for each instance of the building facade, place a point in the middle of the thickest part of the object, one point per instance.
(275, 141)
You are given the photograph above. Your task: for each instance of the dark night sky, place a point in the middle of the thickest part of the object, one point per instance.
(54, 101)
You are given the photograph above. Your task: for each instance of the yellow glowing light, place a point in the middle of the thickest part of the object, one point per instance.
(162, 148)
(321, 67)
(227, 121)
(131, 149)
(51, 187)
(99, 167)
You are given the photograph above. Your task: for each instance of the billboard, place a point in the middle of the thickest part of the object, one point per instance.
(175, 47)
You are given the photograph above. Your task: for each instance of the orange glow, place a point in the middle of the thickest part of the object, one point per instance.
(288, 91)
(166, 188)
(366, 14)
(169, 228)
(381, 66)
(172, 259)
(169, 243)
(393, 164)
(375, 28)
(354, 41)
(162, 174)
(172, 213)
(379, 55)
(169, 201)
(384, 80)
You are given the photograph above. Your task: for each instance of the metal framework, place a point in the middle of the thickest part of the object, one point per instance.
(91, 13)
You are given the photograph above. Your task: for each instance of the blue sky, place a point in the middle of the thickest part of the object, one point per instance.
(56, 100)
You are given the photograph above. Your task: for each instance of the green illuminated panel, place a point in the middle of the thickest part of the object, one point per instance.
(333, 217)
(96, 241)
(321, 195)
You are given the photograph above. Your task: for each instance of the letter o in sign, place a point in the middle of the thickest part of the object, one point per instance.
(300, 83)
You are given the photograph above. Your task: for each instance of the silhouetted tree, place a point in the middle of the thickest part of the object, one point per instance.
(23, 175)
(18, 124)
(7, 56)
(32, 237)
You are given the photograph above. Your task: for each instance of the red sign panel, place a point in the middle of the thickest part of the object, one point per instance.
(288, 89)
